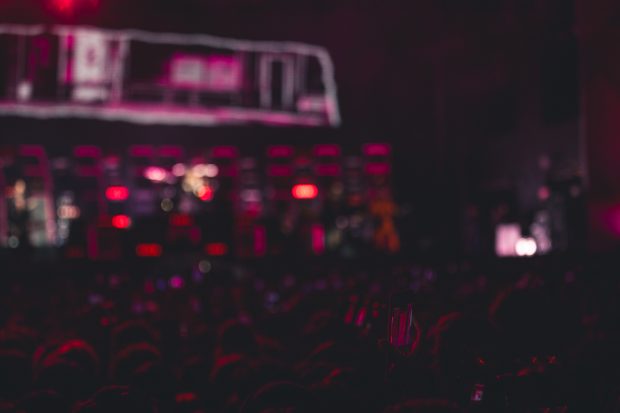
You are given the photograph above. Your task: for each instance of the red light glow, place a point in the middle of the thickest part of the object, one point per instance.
(121, 221)
(180, 220)
(318, 239)
(117, 193)
(216, 248)
(305, 191)
(205, 193)
(148, 250)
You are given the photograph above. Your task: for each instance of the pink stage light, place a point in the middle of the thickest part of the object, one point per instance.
(318, 239)
(377, 149)
(155, 173)
(117, 193)
(378, 168)
(87, 151)
(63, 6)
(279, 151)
(305, 191)
(327, 150)
(142, 151)
(176, 282)
(225, 152)
(260, 240)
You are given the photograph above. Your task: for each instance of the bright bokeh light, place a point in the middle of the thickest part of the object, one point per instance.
(178, 169)
(155, 173)
(506, 237)
(64, 6)
(206, 170)
(70, 6)
(117, 193)
(525, 247)
(121, 221)
(305, 191)
(205, 193)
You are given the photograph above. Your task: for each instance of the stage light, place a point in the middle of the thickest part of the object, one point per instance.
(525, 247)
(155, 173)
(225, 152)
(544, 193)
(68, 212)
(205, 193)
(506, 237)
(305, 191)
(250, 195)
(216, 248)
(71, 6)
(279, 151)
(178, 169)
(280, 170)
(121, 221)
(117, 193)
(328, 170)
(206, 170)
(327, 150)
(63, 6)
(260, 240)
(318, 239)
(148, 250)
(180, 220)
(377, 149)
(377, 168)
(176, 282)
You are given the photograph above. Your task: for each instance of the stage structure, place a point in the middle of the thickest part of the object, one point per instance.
(158, 78)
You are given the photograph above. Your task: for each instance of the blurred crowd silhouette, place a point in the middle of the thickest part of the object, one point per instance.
(228, 342)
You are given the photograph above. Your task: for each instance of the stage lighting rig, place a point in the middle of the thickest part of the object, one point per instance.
(70, 7)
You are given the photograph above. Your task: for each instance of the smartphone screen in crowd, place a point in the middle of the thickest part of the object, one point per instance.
(402, 328)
